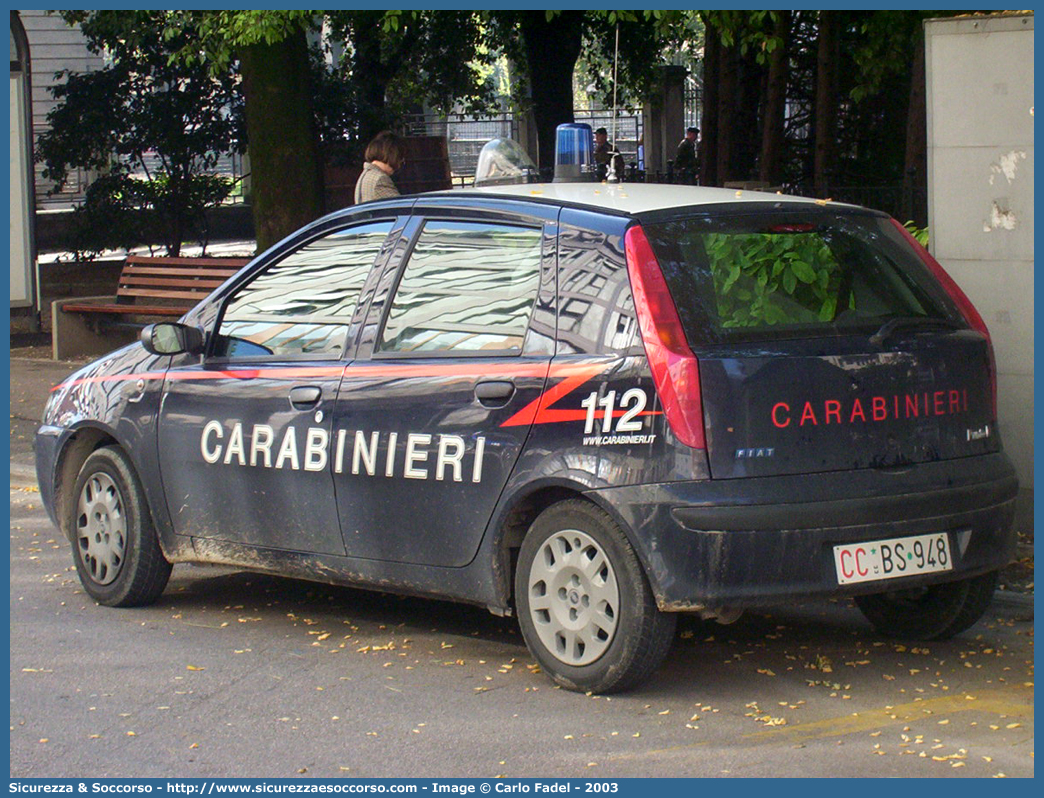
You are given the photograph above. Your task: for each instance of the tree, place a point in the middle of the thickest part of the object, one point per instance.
(285, 167)
(389, 56)
(772, 137)
(152, 129)
(397, 62)
(745, 83)
(546, 46)
(711, 102)
(270, 48)
(893, 42)
(827, 80)
(836, 91)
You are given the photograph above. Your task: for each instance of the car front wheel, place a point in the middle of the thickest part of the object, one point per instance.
(117, 553)
(937, 612)
(585, 607)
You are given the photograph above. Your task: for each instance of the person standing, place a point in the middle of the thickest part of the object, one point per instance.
(685, 161)
(385, 155)
(604, 152)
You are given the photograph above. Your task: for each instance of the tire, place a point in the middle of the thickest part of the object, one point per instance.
(115, 548)
(930, 613)
(585, 607)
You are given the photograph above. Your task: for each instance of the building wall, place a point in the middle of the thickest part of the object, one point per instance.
(53, 46)
(23, 294)
(980, 186)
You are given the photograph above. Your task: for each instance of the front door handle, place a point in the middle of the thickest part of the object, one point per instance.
(495, 392)
(305, 397)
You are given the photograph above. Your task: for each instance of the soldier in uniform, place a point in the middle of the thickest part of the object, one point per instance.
(686, 162)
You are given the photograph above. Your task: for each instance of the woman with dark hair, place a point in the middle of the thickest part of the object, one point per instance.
(385, 156)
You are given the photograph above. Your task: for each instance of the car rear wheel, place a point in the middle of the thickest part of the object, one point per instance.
(585, 607)
(117, 553)
(930, 613)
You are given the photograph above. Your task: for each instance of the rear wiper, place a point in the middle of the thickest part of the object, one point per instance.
(910, 322)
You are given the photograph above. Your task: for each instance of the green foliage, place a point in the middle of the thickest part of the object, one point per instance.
(152, 128)
(394, 63)
(919, 233)
(884, 46)
(390, 62)
(648, 41)
(749, 30)
(123, 212)
(763, 280)
(213, 37)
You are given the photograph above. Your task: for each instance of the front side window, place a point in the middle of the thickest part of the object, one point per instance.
(302, 304)
(468, 288)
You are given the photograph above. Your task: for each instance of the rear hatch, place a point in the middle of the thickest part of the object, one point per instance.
(825, 342)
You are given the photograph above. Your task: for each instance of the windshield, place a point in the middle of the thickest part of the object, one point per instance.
(755, 276)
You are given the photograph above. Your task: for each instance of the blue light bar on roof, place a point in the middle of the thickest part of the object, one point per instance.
(574, 153)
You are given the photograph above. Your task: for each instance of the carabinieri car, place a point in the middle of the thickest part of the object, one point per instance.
(595, 406)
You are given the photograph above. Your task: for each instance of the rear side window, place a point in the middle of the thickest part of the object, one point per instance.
(468, 289)
(763, 276)
(302, 304)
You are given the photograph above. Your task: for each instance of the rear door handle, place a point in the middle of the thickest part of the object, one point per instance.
(495, 392)
(304, 397)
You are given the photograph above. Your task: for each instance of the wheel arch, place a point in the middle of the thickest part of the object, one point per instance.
(518, 515)
(78, 446)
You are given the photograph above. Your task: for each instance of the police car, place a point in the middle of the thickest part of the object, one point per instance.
(594, 406)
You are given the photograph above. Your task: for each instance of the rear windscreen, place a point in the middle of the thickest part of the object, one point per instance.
(755, 276)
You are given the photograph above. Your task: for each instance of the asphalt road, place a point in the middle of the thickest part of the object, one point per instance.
(233, 674)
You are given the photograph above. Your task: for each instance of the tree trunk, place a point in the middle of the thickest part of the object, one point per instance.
(727, 98)
(825, 125)
(747, 119)
(285, 170)
(369, 74)
(711, 97)
(551, 52)
(772, 139)
(915, 173)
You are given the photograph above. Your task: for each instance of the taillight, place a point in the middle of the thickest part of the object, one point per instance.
(675, 370)
(960, 299)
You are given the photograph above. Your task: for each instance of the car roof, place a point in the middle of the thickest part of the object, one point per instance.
(635, 198)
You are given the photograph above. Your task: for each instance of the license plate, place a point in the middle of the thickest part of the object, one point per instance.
(889, 559)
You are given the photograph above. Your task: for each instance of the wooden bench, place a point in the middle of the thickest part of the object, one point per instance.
(147, 287)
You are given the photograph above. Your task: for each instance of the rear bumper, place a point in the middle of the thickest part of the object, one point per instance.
(746, 542)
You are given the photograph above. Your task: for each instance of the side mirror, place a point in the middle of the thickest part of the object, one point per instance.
(171, 338)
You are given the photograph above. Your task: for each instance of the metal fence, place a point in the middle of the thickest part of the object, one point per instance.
(692, 101)
(629, 128)
(897, 200)
(230, 165)
(464, 136)
(70, 194)
(902, 202)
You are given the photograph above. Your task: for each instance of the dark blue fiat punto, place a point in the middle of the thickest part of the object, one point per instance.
(592, 405)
